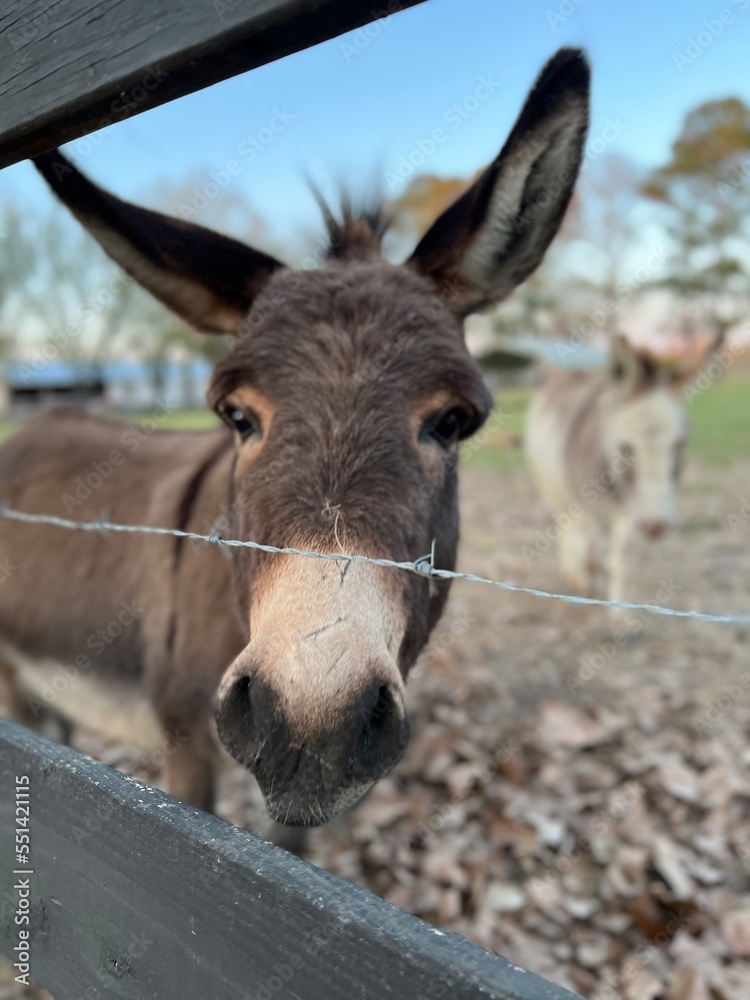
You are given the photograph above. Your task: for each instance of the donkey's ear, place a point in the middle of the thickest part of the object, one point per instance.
(623, 360)
(496, 233)
(209, 280)
(631, 368)
(684, 373)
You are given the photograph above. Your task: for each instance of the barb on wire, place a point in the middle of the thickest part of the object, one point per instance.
(423, 566)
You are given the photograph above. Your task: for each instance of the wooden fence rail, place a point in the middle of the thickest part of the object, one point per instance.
(70, 67)
(136, 895)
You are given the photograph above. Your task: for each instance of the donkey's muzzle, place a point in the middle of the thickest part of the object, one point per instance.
(654, 528)
(309, 777)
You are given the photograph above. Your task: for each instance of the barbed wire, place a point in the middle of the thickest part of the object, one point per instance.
(424, 566)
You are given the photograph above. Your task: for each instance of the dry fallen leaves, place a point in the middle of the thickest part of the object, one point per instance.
(615, 867)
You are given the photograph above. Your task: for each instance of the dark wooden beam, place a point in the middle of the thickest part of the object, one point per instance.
(70, 67)
(136, 895)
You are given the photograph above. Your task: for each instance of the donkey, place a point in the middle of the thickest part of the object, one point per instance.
(345, 394)
(606, 452)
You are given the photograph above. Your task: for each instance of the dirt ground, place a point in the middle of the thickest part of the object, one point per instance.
(575, 797)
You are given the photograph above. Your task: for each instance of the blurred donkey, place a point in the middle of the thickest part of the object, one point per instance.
(606, 453)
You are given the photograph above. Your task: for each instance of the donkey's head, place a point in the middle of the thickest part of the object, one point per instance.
(645, 430)
(348, 389)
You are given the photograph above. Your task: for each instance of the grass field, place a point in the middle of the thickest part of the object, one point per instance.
(720, 419)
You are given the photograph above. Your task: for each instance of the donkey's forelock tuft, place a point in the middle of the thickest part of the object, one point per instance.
(356, 230)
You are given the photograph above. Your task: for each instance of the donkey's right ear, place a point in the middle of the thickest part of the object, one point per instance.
(209, 280)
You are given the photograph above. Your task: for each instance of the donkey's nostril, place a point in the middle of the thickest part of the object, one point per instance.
(382, 704)
(375, 706)
(234, 720)
(382, 734)
(654, 528)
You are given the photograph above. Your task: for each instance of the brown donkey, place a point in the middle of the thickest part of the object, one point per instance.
(346, 393)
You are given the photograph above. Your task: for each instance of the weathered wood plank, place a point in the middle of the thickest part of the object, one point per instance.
(70, 67)
(137, 895)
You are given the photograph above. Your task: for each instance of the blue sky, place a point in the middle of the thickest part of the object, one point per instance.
(355, 105)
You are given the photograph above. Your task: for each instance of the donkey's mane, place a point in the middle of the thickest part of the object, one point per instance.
(355, 228)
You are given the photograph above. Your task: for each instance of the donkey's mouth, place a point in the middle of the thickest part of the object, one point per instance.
(292, 810)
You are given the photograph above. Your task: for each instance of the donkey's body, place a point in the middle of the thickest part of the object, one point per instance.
(137, 630)
(605, 451)
(347, 390)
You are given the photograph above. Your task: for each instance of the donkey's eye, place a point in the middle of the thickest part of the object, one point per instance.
(626, 450)
(243, 421)
(449, 427)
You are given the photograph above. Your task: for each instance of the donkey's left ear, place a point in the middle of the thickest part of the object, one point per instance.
(209, 280)
(685, 373)
(496, 233)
